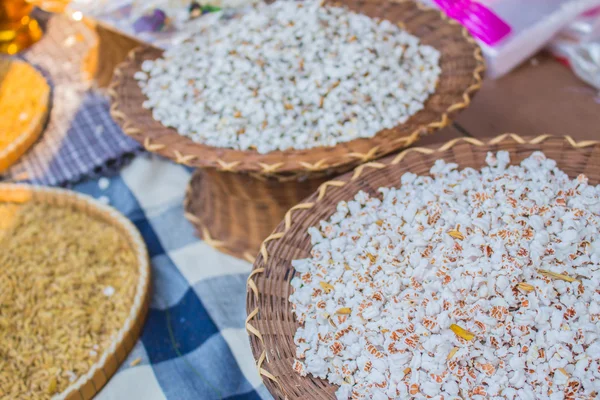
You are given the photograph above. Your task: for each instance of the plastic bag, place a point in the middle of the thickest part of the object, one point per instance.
(578, 46)
(510, 31)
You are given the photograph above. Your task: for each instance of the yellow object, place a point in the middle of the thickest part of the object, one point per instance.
(24, 97)
(452, 353)
(52, 6)
(554, 275)
(526, 287)
(326, 286)
(456, 234)
(52, 385)
(463, 333)
(17, 29)
(344, 311)
(18, 196)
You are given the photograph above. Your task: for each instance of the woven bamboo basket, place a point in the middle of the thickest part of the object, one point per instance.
(271, 324)
(88, 385)
(236, 198)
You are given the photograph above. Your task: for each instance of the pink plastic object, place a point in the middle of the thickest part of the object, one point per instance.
(478, 19)
(510, 31)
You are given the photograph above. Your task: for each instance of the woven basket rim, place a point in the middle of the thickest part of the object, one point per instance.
(17, 192)
(135, 120)
(266, 260)
(218, 245)
(10, 154)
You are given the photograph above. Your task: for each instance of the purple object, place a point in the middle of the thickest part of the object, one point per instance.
(477, 18)
(153, 22)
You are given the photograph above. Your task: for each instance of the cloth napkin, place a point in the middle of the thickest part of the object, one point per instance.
(80, 138)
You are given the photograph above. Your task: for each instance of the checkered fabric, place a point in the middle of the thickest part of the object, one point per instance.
(80, 138)
(193, 345)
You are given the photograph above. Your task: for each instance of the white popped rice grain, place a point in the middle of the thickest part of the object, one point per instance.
(108, 291)
(72, 376)
(103, 183)
(290, 75)
(462, 284)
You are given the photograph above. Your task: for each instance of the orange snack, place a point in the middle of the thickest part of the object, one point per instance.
(24, 97)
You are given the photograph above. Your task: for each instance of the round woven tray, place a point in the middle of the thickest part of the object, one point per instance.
(461, 64)
(271, 324)
(462, 67)
(88, 385)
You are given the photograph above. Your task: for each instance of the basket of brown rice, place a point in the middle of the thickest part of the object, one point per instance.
(466, 271)
(74, 292)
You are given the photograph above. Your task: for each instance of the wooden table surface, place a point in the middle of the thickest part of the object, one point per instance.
(541, 96)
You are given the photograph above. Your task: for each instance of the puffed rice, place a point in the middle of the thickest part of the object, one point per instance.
(461, 285)
(290, 75)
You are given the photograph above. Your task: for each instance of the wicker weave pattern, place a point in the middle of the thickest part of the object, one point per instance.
(88, 385)
(234, 212)
(462, 68)
(270, 323)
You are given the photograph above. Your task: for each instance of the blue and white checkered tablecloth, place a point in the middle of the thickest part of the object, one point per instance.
(193, 345)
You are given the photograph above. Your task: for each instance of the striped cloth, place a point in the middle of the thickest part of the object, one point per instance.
(80, 138)
(193, 345)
